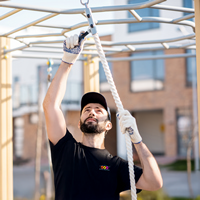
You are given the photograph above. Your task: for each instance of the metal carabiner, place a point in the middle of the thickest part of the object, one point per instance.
(84, 3)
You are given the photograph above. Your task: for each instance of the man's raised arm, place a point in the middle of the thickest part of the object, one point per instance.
(55, 121)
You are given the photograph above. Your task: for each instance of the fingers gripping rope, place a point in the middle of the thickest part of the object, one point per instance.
(120, 108)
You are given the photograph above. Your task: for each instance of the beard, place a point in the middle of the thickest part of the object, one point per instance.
(92, 128)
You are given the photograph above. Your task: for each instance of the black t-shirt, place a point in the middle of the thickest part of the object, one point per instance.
(86, 173)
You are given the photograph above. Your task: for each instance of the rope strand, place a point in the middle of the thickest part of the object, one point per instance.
(120, 108)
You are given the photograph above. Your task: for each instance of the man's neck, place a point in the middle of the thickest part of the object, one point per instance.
(93, 140)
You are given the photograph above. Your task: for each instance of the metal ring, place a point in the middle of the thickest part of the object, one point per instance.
(84, 3)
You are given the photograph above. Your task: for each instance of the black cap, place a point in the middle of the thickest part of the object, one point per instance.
(95, 97)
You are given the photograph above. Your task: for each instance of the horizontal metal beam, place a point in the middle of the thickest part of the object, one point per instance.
(110, 43)
(82, 10)
(43, 57)
(113, 59)
(132, 58)
(60, 52)
(173, 8)
(108, 22)
(53, 26)
(39, 35)
(160, 48)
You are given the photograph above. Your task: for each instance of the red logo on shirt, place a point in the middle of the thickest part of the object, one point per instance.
(104, 168)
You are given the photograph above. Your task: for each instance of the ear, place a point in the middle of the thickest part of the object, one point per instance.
(79, 124)
(108, 125)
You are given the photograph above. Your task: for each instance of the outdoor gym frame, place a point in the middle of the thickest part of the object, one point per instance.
(110, 48)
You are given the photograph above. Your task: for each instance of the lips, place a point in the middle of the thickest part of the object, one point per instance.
(91, 120)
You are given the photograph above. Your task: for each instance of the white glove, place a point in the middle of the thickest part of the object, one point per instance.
(128, 123)
(72, 48)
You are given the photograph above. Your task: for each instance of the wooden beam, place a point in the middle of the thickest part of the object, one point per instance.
(197, 32)
(91, 75)
(6, 144)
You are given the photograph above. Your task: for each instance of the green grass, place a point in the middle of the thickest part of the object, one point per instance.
(179, 165)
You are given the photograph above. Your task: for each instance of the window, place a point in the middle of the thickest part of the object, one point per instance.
(188, 4)
(191, 69)
(147, 75)
(145, 12)
(104, 86)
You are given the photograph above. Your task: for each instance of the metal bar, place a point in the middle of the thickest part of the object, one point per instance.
(130, 20)
(34, 44)
(104, 48)
(43, 57)
(197, 30)
(185, 46)
(10, 13)
(183, 18)
(50, 51)
(116, 21)
(110, 43)
(82, 10)
(16, 49)
(85, 48)
(39, 35)
(165, 45)
(52, 26)
(130, 47)
(150, 57)
(48, 46)
(46, 42)
(106, 22)
(30, 24)
(113, 59)
(173, 8)
(134, 13)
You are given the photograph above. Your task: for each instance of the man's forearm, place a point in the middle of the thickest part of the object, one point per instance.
(56, 91)
(151, 171)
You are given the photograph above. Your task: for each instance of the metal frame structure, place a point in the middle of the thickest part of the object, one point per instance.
(51, 48)
(41, 45)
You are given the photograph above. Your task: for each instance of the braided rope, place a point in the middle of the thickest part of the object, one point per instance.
(120, 108)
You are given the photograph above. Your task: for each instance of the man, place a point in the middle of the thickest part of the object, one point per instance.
(86, 170)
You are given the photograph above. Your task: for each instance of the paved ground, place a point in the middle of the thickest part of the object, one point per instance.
(24, 181)
(175, 183)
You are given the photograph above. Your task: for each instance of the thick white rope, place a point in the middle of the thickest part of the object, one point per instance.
(120, 108)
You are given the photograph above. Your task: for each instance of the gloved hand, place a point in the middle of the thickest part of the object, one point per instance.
(128, 123)
(72, 48)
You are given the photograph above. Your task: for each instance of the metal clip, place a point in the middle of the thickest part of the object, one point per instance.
(90, 19)
(84, 3)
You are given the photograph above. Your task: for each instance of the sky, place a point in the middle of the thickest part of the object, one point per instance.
(25, 17)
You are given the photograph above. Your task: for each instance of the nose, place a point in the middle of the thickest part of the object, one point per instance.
(92, 112)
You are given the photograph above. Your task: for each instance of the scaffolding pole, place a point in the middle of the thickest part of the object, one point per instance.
(6, 144)
(197, 31)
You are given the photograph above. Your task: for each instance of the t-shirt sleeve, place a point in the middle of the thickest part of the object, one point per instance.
(124, 179)
(60, 145)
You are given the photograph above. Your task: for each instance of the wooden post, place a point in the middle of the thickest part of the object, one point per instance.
(197, 32)
(91, 75)
(6, 144)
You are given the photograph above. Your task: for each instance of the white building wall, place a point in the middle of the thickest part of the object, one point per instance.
(165, 31)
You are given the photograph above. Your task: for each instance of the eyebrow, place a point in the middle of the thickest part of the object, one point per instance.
(97, 107)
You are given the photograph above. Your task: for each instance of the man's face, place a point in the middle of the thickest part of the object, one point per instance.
(94, 119)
